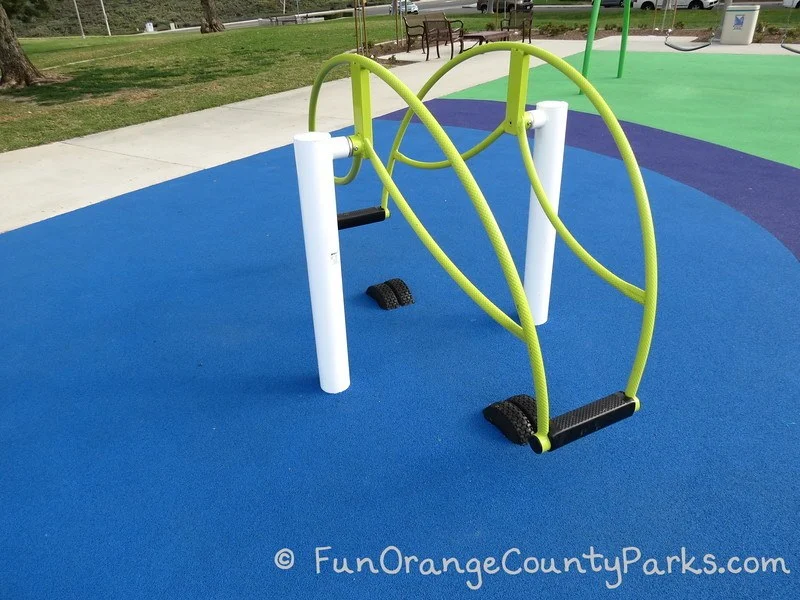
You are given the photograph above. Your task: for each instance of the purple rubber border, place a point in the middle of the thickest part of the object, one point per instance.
(767, 192)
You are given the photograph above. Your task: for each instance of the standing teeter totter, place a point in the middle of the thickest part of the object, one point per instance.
(523, 419)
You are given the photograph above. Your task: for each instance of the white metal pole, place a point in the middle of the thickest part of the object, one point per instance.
(80, 23)
(105, 16)
(314, 153)
(550, 123)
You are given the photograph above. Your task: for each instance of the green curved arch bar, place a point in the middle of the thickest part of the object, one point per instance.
(499, 245)
(516, 123)
(631, 291)
(441, 164)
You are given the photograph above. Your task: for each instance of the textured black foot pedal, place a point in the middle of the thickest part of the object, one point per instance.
(587, 419)
(510, 420)
(527, 405)
(383, 295)
(362, 216)
(400, 289)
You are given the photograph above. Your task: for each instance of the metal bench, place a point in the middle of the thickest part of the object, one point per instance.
(518, 21)
(439, 28)
(415, 28)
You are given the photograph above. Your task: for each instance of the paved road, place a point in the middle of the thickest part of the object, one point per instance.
(425, 6)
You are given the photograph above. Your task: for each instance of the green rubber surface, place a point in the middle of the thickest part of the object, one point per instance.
(713, 97)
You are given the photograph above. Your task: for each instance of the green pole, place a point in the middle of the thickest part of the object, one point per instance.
(626, 24)
(587, 53)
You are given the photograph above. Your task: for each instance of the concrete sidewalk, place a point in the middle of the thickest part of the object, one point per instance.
(41, 182)
(44, 181)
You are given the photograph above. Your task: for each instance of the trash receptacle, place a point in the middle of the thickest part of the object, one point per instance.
(739, 24)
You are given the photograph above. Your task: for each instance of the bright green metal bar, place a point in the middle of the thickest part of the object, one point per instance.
(650, 293)
(362, 101)
(355, 166)
(623, 47)
(441, 164)
(517, 91)
(509, 269)
(587, 53)
(430, 243)
(441, 72)
(649, 296)
(634, 174)
(628, 289)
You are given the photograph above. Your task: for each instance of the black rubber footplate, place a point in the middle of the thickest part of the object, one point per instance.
(383, 295)
(400, 289)
(510, 420)
(527, 405)
(587, 419)
(362, 216)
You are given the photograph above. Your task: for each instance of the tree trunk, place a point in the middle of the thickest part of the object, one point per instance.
(15, 68)
(211, 22)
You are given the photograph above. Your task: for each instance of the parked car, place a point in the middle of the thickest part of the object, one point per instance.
(501, 6)
(791, 3)
(690, 4)
(404, 7)
(612, 3)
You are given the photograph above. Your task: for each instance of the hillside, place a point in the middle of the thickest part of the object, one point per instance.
(129, 16)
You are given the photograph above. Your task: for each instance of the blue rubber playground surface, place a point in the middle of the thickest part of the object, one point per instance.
(164, 434)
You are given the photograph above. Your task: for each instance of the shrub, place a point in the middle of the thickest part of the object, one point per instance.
(552, 29)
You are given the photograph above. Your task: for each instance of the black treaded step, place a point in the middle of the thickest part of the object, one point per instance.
(383, 295)
(510, 420)
(586, 419)
(362, 216)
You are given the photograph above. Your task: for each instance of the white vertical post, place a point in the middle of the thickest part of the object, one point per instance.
(550, 123)
(105, 16)
(80, 23)
(314, 153)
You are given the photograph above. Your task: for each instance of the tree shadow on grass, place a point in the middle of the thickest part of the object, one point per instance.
(99, 82)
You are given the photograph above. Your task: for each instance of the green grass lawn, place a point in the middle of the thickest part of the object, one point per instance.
(133, 79)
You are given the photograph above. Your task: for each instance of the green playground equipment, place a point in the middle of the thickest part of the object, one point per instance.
(626, 24)
(545, 433)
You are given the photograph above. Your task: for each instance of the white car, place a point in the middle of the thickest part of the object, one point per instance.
(690, 4)
(501, 6)
(404, 7)
(791, 3)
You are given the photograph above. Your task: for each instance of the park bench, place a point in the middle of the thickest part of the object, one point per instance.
(415, 28)
(433, 27)
(518, 21)
(438, 28)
